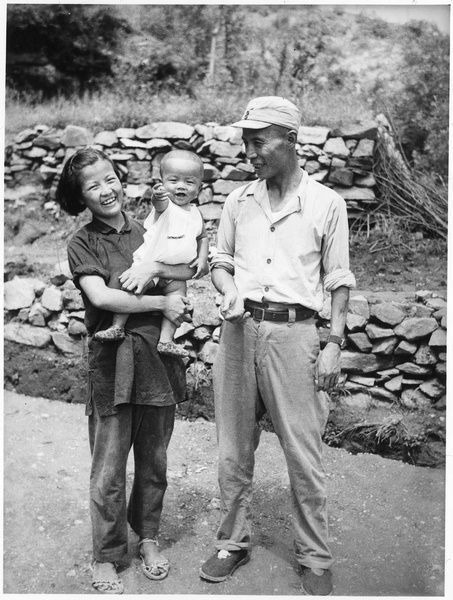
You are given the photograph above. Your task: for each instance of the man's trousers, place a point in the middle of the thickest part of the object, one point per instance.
(270, 366)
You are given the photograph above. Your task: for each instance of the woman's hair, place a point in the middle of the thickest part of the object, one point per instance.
(68, 193)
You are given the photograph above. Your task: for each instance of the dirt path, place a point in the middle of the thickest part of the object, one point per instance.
(386, 517)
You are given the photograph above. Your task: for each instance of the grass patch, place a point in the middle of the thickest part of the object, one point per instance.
(111, 109)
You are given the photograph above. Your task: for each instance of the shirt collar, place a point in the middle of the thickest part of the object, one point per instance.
(295, 204)
(105, 228)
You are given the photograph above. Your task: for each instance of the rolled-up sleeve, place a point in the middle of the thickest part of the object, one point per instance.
(335, 249)
(84, 261)
(224, 255)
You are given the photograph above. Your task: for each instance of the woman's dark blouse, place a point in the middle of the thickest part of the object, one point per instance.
(129, 371)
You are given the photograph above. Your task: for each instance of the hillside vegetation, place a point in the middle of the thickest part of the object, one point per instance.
(122, 65)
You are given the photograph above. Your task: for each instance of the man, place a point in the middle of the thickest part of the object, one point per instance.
(282, 240)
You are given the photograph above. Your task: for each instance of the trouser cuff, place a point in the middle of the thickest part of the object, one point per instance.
(230, 545)
(113, 556)
(313, 563)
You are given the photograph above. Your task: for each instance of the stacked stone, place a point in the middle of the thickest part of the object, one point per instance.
(42, 315)
(341, 159)
(395, 352)
(52, 316)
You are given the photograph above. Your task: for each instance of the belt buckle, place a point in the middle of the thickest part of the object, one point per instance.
(255, 315)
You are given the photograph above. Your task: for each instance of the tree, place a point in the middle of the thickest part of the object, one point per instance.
(75, 41)
(311, 41)
(174, 54)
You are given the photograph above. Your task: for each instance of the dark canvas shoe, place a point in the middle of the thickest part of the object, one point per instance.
(223, 564)
(316, 585)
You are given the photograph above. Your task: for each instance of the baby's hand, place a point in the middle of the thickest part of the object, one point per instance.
(159, 193)
(201, 266)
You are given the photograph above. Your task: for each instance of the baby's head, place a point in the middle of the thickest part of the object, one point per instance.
(182, 175)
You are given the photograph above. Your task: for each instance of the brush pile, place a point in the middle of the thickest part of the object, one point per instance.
(405, 193)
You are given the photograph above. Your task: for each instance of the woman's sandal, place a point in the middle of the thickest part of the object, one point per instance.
(107, 587)
(159, 568)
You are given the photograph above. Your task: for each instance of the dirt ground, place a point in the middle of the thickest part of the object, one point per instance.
(386, 518)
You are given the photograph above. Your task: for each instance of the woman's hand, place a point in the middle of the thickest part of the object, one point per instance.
(176, 309)
(138, 278)
(201, 266)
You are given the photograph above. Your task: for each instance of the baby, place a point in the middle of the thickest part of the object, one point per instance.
(175, 234)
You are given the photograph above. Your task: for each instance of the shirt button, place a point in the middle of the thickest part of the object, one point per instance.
(272, 228)
(266, 289)
(269, 261)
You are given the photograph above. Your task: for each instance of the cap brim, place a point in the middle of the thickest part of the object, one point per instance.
(250, 124)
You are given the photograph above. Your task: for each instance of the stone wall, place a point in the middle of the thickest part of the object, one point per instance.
(341, 159)
(395, 355)
(395, 351)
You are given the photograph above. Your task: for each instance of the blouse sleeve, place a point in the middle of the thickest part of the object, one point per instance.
(83, 260)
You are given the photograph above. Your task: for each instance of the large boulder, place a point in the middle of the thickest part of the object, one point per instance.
(365, 148)
(356, 362)
(361, 341)
(358, 305)
(52, 299)
(414, 328)
(387, 313)
(202, 296)
(438, 338)
(67, 344)
(21, 333)
(224, 187)
(74, 136)
(19, 293)
(313, 135)
(368, 130)
(170, 130)
(106, 138)
(336, 147)
(225, 149)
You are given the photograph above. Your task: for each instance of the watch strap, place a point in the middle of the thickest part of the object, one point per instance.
(336, 339)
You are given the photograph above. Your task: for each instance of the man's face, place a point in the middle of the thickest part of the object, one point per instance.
(267, 151)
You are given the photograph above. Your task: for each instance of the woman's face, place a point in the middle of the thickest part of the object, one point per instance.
(101, 191)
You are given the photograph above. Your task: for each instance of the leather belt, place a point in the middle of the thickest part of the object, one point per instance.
(273, 311)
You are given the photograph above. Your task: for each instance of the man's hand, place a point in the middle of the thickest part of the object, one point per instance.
(176, 309)
(201, 266)
(327, 370)
(138, 278)
(232, 307)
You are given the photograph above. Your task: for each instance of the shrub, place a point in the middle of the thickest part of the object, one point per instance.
(420, 110)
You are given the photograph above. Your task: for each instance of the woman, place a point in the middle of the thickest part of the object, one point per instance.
(131, 399)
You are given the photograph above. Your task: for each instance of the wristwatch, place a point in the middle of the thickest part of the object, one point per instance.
(336, 339)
